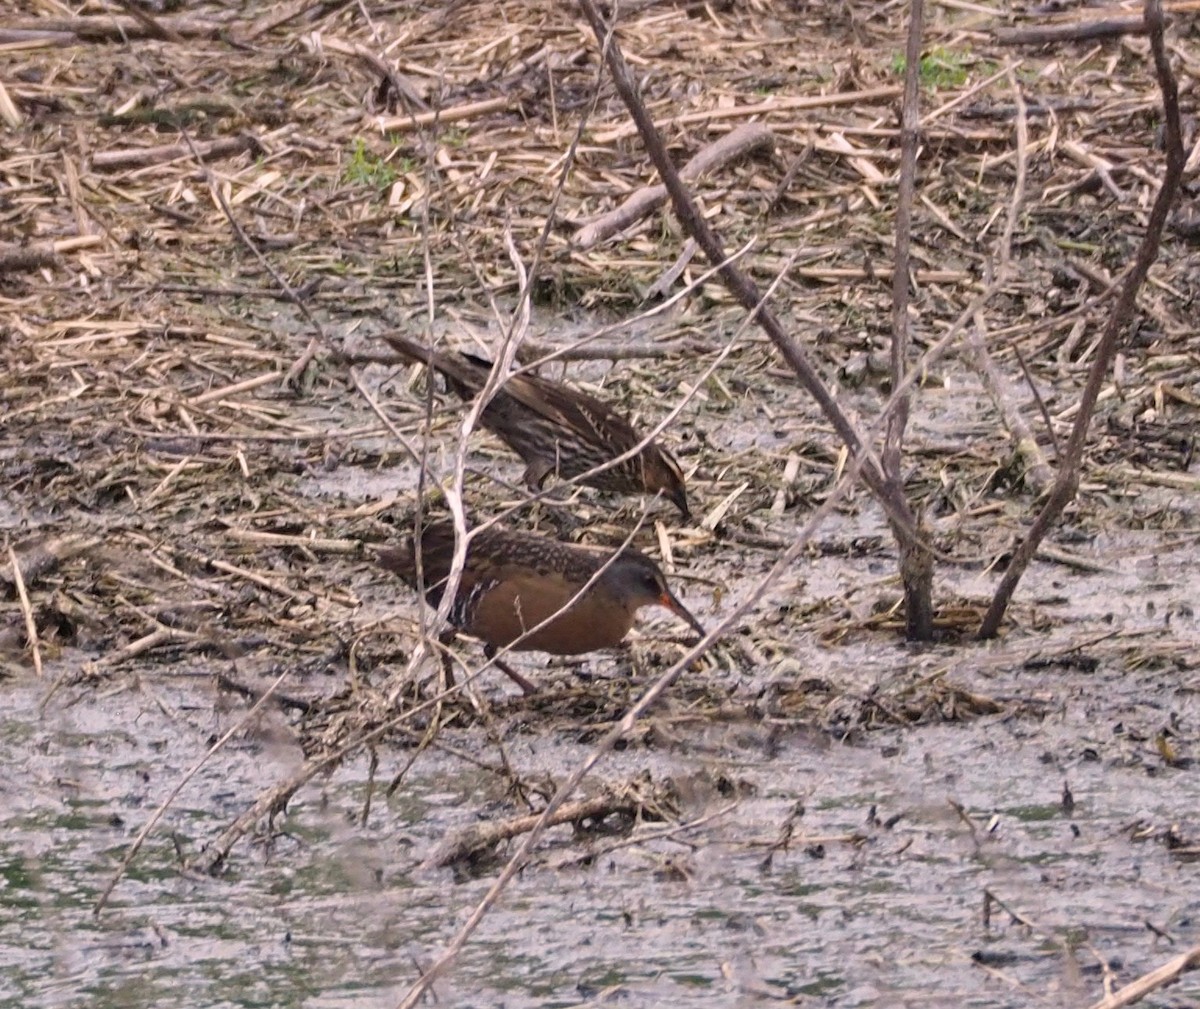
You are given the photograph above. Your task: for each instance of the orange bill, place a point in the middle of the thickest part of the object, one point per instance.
(675, 606)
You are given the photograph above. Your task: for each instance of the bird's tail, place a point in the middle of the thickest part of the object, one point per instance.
(464, 375)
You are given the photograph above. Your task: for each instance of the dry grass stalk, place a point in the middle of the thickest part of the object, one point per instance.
(741, 141)
(31, 632)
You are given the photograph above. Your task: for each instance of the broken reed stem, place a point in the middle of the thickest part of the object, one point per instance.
(741, 141)
(1162, 976)
(916, 564)
(478, 837)
(31, 632)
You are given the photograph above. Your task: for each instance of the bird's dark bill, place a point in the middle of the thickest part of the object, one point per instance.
(679, 499)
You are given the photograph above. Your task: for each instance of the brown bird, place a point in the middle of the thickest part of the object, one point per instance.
(556, 429)
(520, 590)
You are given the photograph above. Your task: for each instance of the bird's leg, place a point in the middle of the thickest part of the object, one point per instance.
(526, 686)
(536, 473)
(564, 523)
(444, 639)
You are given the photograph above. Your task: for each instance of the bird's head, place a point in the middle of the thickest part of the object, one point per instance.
(637, 581)
(663, 474)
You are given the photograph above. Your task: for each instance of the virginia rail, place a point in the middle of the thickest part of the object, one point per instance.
(557, 429)
(514, 583)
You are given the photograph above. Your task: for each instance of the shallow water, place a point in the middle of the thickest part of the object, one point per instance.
(338, 914)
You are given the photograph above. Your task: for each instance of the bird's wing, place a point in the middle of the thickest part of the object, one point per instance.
(593, 420)
(590, 418)
(506, 553)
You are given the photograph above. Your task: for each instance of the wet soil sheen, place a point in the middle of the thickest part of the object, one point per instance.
(953, 862)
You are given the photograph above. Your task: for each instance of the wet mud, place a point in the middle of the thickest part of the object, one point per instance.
(951, 858)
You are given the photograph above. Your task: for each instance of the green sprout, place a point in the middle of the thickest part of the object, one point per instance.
(940, 68)
(367, 169)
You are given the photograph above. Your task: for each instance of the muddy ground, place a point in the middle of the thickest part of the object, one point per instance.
(829, 815)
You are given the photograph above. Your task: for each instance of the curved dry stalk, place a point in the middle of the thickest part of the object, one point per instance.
(785, 562)
(502, 364)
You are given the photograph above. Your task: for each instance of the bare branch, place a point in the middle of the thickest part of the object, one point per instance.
(916, 565)
(1067, 484)
(747, 294)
